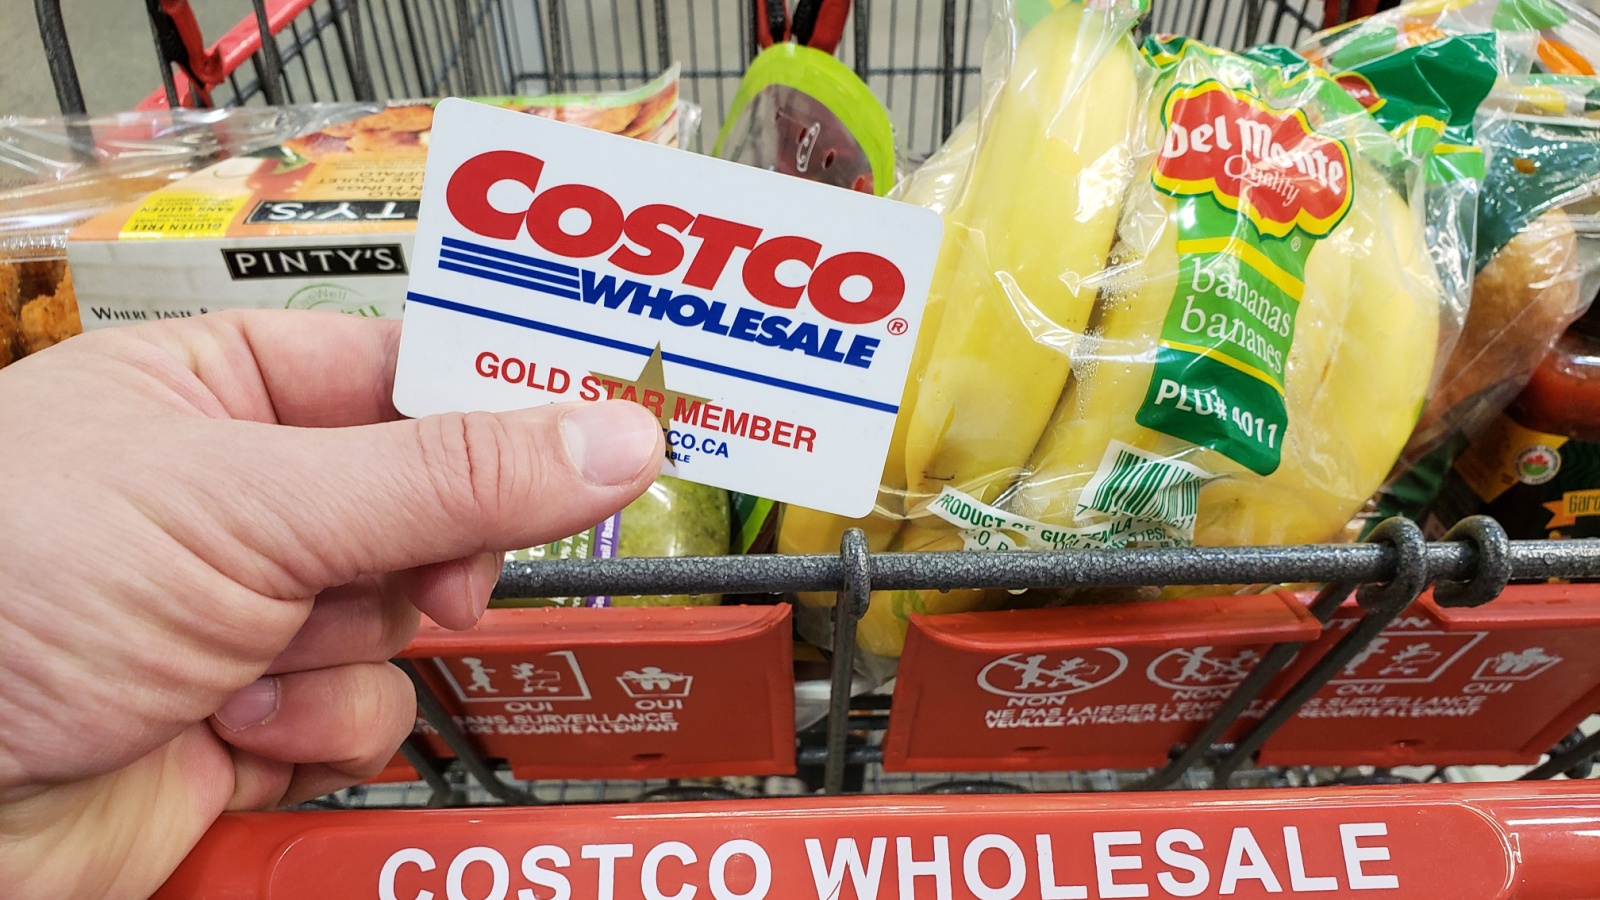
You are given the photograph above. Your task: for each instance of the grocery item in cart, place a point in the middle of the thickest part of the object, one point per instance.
(1260, 357)
(1550, 36)
(672, 518)
(1537, 260)
(1538, 267)
(802, 112)
(49, 319)
(57, 172)
(1531, 255)
(1536, 469)
(1233, 352)
(1030, 217)
(324, 220)
(1428, 96)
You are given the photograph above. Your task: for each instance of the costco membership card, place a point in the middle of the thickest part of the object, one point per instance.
(767, 321)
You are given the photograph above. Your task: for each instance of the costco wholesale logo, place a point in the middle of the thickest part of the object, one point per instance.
(1265, 163)
(652, 240)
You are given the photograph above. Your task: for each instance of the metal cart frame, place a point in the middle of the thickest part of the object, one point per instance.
(309, 50)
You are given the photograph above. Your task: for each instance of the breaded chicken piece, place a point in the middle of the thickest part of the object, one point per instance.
(51, 319)
(40, 277)
(10, 288)
(10, 336)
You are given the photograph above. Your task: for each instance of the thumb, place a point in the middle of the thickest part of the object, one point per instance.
(445, 487)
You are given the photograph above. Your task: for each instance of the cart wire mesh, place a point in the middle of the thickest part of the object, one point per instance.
(921, 57)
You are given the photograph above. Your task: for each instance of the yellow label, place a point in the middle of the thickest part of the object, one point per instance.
(1565, 512)
(171, 214)
(1507, 455)
(363, 176)
(1424, 8)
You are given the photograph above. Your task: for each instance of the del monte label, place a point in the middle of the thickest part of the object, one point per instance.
(1256, 187)
(1267, 164)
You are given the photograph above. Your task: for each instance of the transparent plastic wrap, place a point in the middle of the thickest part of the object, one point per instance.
(322, 220)
(1530, 263)
(673, 518)
(1538, 269)
(1536, 467)
(1537, 262)
(57, 172)
(804, 113)
(1030, 193)
(1428, 95)
(1552, 36)
(1203, 313)
(1268, 329)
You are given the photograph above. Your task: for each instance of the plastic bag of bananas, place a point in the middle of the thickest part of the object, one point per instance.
(1183, 298)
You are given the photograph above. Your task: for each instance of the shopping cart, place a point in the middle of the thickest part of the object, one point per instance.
(920, 56)
(1396, 612)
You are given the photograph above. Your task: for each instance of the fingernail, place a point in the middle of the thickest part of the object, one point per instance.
(484, 567)
(610, 442)
(253, 704)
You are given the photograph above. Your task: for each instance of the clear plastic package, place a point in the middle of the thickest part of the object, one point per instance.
(1184, 298)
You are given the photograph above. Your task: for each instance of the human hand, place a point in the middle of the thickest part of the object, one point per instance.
(216, 533)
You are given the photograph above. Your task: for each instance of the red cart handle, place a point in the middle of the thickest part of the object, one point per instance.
(183, 44)
(1516, 841)
(818, 24)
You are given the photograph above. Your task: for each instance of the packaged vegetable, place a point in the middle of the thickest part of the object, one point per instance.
(672, 518)
(1538, 249)
(1184, 298)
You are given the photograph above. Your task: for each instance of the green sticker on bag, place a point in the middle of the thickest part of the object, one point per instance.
(1256, 187)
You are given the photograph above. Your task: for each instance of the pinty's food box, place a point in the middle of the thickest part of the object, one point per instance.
(323, 221)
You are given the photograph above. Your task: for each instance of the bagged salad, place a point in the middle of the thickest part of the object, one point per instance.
(1184, 299)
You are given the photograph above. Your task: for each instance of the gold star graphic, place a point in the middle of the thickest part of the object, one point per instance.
(649, 389)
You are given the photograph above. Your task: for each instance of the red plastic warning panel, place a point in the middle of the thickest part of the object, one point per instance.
(1085, 687)
(671, 692)
(1480, 842)
(1495, 685)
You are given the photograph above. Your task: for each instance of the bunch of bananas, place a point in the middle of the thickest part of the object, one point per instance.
(1060, 264)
